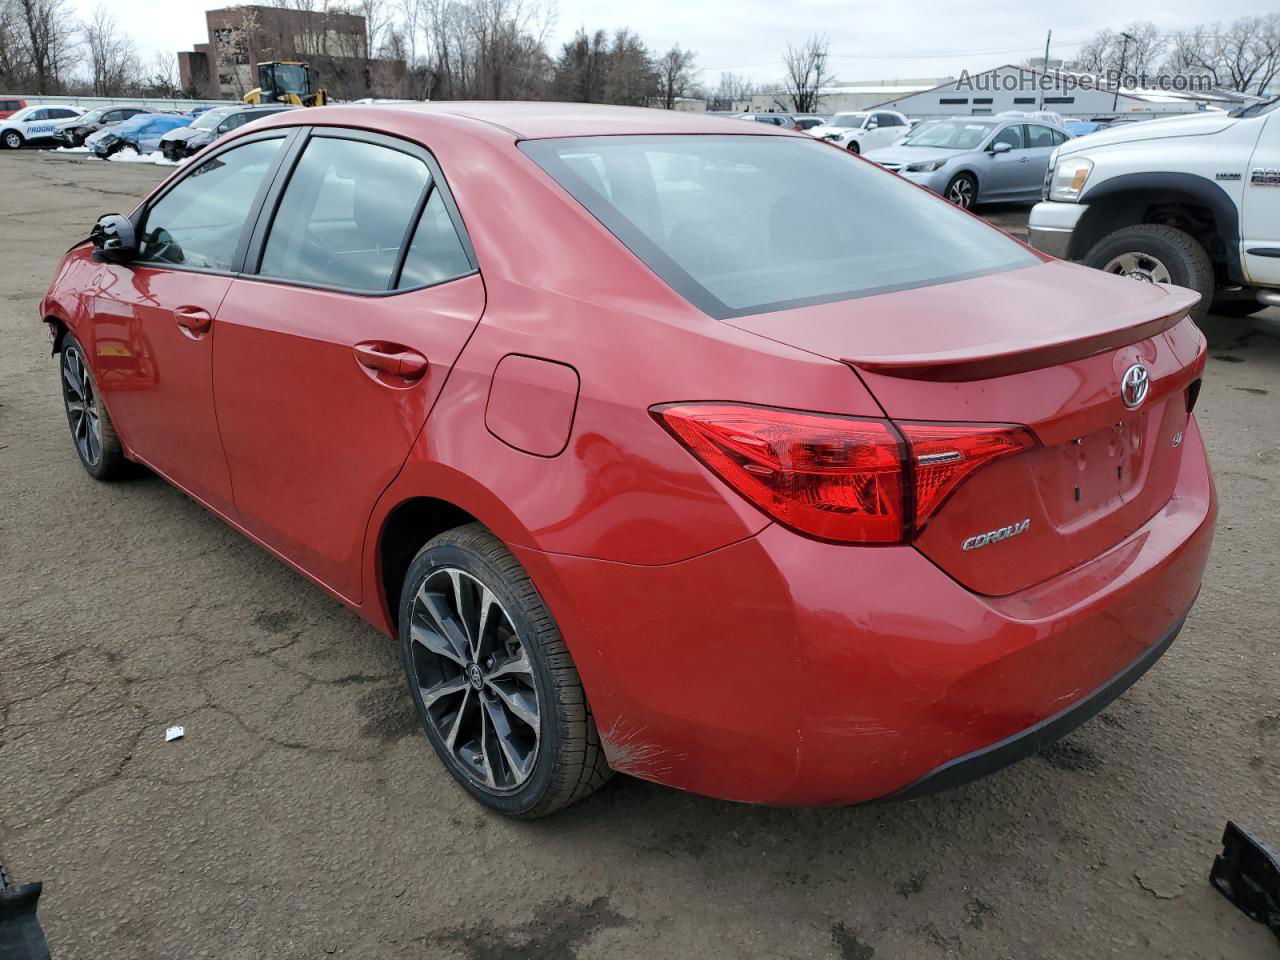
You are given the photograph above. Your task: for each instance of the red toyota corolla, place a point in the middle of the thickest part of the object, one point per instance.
(666, 444)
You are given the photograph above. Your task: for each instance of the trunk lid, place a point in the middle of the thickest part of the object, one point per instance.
(1045, 347)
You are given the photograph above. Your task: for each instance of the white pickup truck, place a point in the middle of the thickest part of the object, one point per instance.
(1190, 200)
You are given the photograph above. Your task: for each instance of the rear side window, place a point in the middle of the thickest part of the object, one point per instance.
(198, 223)
(741, 224)
(436, 253)
(344, 215)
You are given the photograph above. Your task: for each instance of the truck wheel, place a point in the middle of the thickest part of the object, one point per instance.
(1154, 253)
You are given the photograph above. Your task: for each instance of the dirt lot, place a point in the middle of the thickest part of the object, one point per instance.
(304, 816)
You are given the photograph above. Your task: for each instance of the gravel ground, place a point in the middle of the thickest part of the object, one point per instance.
(304, 816)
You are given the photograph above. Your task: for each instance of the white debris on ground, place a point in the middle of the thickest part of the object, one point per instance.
(176, 732)
(70, 149)
(129, 155)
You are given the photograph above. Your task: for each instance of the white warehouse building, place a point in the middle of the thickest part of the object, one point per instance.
(1018, 88)
(841, 97)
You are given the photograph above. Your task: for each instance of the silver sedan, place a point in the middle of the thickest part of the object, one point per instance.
(976, 159)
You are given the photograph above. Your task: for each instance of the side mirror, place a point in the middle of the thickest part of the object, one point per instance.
(113, 238)
(1001, 147)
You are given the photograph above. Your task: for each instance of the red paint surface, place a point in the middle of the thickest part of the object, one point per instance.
(721, 653)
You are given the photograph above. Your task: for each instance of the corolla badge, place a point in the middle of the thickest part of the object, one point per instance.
(995, 536)
(1134, 386)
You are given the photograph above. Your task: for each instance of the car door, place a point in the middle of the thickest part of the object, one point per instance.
(1002, 173)
(153, 317)
(1261, 206)
(881, 132)
(1041, 141)
(327, 362)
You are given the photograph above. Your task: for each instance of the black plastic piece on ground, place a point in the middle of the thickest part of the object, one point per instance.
(1035, 738)
(20, 935)
(1247, 873)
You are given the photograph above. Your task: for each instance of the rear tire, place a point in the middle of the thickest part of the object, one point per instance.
(1155, 253)
(963, 191)
(494, 685)
(92, 432)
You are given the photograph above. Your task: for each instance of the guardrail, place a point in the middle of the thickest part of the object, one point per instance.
(158, 103)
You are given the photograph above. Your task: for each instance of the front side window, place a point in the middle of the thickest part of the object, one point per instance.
(1038, 136)
(744, 225)
(1010, 135)
(344, 215)
(199, 222)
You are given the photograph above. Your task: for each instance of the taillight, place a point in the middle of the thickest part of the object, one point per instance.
(835, 478)
(846, 479)
(944, 454)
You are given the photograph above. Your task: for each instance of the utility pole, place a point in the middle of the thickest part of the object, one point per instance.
(1124, 54)
(1046, 66)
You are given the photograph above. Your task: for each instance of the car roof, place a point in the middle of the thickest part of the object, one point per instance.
(532, 120)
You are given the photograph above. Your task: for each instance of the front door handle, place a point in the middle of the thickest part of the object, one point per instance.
(391, 358)
(195, 319)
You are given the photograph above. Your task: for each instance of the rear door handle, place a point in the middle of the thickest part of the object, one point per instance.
(195, 319)
(391, 358)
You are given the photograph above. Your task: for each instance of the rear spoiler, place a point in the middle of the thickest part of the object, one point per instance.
(996, 360)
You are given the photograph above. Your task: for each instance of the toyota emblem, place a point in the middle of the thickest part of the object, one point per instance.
(1134, 386)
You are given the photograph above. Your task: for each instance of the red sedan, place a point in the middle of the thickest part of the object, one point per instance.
(665, 444)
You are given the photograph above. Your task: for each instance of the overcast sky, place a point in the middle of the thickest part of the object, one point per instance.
(868, 42)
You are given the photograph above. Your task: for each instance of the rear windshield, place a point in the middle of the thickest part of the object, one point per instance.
(739, 225)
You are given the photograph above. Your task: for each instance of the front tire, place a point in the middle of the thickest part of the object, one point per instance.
(92, 432)
(494, 685)
(963, 191)
(12, 139)
(1155, 253)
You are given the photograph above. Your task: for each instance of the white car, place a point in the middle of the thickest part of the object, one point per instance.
(32, 125)
(861, 132)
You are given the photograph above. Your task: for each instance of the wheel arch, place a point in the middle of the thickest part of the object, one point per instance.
(407, 527)
(1195, 204)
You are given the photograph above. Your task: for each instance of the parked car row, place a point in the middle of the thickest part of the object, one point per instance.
(106, 130)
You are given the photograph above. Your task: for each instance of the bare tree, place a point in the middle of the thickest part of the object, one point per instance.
(45, 37)
(732, 90)
(676, 71)
(1243, 56)
(112, 59)
(376, 23)
(808, 73)
(1136, 49)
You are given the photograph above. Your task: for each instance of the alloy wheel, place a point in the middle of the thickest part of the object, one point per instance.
(81, 402)
(961, 192)
(12, 140)
(475, 680)
(1142, 267)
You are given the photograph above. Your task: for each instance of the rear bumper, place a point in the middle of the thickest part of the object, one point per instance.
(781, 670)
(1023, 744)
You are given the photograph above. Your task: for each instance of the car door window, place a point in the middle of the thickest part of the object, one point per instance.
(1039, 136)
(344, 215)
(37, 115)
(1011, 135)
(436, 253)
(198, 223)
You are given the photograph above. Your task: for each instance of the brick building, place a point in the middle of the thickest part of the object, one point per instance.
(240, 37)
